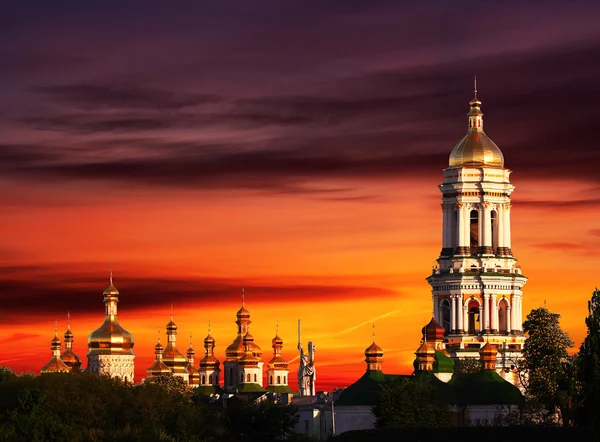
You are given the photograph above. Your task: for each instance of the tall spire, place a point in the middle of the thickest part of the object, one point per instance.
(243, 303)
(111, 274)
(373, 330)
(475, 84)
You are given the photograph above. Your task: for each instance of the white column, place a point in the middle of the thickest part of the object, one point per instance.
(508, 319)
(459, 313)
(481, 318)
(453, 315)
(466, 318)
(487, 225)
(461, 225)
(500, 225)
(513, 316)
(519, 323)
(436, 308)
(466, 226)
(494, 312)
(486, 309)
(507, 226)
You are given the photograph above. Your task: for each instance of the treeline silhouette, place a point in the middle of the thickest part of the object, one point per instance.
(85, 407)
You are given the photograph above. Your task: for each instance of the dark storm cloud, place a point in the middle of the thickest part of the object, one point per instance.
(540, 109)
(43, 290)
(94, 96)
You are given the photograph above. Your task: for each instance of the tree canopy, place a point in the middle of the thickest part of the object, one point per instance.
(410, 403)
(549, 370)
(85, 407)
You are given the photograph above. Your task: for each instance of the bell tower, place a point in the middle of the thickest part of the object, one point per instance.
(476, 283)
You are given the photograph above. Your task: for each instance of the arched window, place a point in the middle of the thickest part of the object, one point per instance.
(125, 378)
(446, 315)
(248, 378)
(473, 317)
(474, 231)
(284, 380)
(255, 378)
(203, 379)
(210, 379)
(242, 377)
(503, 316)
(271, 380)
(494, 230)
(279, 379)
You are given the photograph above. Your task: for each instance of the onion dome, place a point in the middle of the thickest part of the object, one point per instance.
(476, 149)
(209, 362)
(172, 357)
(277, 362)
(69, 357)
(433, 332)
(56, 365)
(374, 357)
(111, 338)
(158, 368)
(425, 357)
(488, 355)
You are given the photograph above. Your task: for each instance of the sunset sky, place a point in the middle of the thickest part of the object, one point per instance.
(293, 148)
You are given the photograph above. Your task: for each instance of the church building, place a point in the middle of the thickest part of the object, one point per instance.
(477, 285)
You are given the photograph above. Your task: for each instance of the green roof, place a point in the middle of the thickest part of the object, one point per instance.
(364, 391)
(249, 388)
(281, 389)
(483, 388)
(207, 390)
(442, 363)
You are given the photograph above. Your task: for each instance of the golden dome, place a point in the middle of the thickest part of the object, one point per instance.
(243, 313)
(433, 331)
(425, 349)
(56, 365)
(171, 326)
(111, 290)
(476, 149)
(209, 340)
(111, 336)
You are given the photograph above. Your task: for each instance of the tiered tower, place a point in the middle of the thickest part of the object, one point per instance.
(477, 284)
(238, 349)
(250, 365)
(277, 368)
(69, 357)
(158, 368)
(110, 348)
(209, 365)
(374, 356)
(191, 369)
(172, 357)
(55, 365)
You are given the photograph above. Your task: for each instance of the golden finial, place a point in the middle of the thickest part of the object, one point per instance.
(171, 311)
(111, 273)
(209, 326)
(190, 339)
(277, 328)
(159, 335)
(242, 296)
(475, 84)
(55, 328)
(69, 319)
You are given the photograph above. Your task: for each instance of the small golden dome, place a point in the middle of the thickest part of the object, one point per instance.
(243, 313)
(476, 149)
(373, 350)
(433, 332)
(209, 340)
(425, 349)
(111, 290)
(277, 340)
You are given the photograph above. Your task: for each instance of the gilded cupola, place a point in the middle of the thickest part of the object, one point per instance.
(111, 338)
(55, 365)
(69, 357)
(476, 149)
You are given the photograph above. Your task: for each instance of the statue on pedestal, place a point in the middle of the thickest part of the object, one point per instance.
(306, 370)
